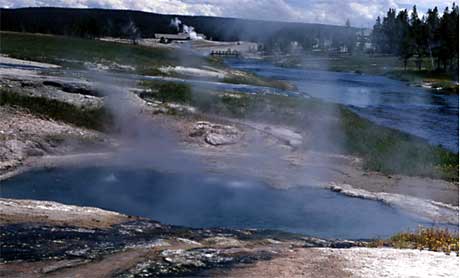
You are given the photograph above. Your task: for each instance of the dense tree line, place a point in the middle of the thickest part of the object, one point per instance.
(409, 36)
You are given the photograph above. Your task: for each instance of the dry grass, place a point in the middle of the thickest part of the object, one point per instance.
(433, 239)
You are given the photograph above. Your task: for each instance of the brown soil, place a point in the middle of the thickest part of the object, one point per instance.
(314, 263)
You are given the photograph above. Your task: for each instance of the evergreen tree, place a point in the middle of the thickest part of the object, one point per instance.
(452, 38)
(432, 36)
(405, 48)
(377, 36)
(417, 33)
(390, 41)
(432, 26)
(444, 30)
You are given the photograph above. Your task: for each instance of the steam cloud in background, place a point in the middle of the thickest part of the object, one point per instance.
(190, 30)
(175, 22)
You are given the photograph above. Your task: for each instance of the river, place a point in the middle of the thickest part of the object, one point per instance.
(384, 101)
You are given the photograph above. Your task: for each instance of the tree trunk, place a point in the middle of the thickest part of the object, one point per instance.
(418, 63)
(431, 58)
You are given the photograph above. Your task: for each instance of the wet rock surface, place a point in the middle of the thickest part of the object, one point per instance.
(34, 242)
(193, 262)
(171, 250)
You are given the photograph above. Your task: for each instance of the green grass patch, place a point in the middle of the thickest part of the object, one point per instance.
(98, 119)
(174, 92)
(73, 52)
(440, 81)
(167, 91)
(252, 79)
(393, 152)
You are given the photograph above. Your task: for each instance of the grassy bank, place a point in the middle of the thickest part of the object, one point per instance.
(390, 66)
(345, 63)
(98, 119)
(441, 82)
(252, 79)
(328, 127)
(393, 152)
(74, 52)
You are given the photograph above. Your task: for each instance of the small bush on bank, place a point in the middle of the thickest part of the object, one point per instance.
(433, 239)
(174, 92)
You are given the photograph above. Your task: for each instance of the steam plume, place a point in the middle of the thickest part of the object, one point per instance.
(190, 30)
(175, 22)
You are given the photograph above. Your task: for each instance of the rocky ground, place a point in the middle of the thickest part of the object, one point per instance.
(55, 240)
(91, 242)
(352, 262)
(25, 136)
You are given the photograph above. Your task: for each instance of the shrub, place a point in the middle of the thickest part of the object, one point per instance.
(433, 239)
(174, 92)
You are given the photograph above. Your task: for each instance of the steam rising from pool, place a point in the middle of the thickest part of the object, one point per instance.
(212, 201)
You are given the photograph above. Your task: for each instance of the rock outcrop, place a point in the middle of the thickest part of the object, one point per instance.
(216, 134)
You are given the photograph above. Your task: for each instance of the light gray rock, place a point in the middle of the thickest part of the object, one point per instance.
(216, 134)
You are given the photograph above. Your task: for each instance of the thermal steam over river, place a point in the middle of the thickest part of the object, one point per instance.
(385, 101)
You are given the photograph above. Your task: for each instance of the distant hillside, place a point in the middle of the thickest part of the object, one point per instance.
(102, 22)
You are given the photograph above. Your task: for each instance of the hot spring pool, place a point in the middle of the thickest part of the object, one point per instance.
(212, 201)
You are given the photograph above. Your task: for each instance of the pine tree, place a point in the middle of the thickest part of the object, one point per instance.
(432, 35)
(444, 29)
(417, 36)
(405, 46)
(432, 26)
(377, 35)
(452, 38)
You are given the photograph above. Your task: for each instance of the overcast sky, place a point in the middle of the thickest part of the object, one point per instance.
(362, 13)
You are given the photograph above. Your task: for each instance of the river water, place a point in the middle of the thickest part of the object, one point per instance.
(384, 101)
